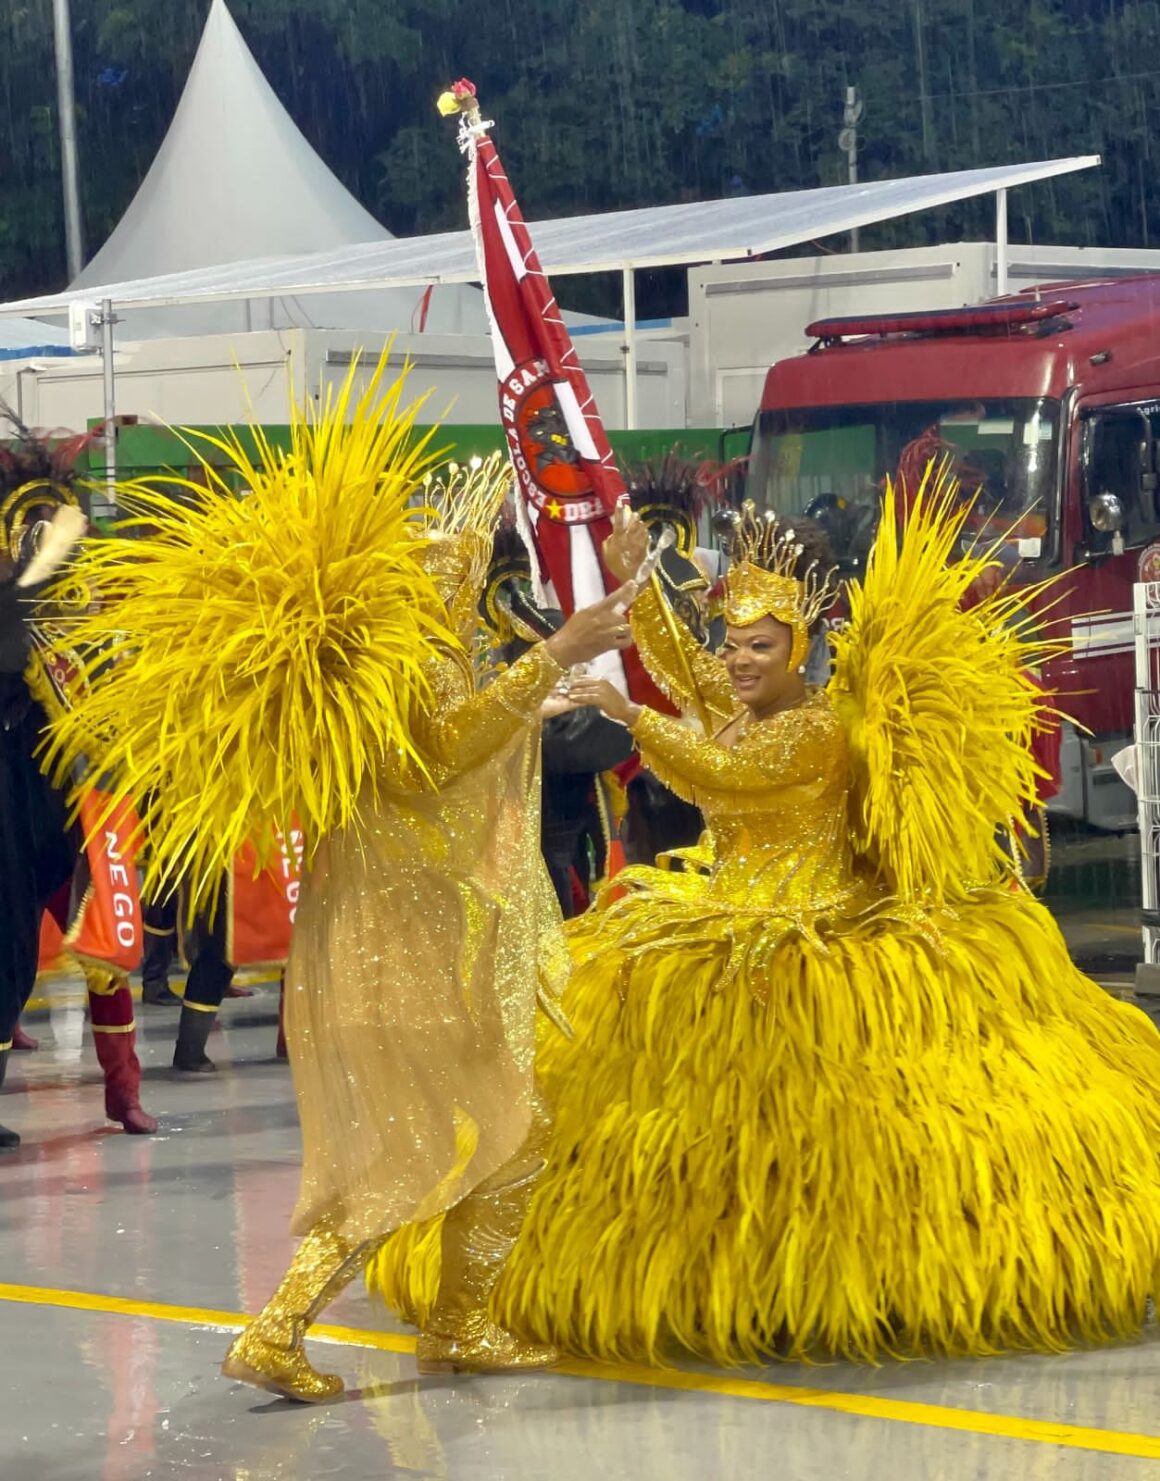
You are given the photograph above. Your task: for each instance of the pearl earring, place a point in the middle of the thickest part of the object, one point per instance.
(801, 668)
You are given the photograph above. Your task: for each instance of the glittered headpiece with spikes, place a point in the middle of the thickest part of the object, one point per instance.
(763, 580)
(462, 503)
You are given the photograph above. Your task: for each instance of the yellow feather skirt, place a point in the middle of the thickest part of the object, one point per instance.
(878, 1138)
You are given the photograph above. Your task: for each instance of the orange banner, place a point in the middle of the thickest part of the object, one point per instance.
(108, 926)
(51, 944)
(264, 905)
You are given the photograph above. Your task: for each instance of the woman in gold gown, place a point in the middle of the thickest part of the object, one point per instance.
(837, 1088)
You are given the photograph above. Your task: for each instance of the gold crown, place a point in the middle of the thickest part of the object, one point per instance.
(763, 580)
(461, 504)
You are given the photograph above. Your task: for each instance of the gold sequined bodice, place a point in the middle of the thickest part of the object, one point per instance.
(775, 804)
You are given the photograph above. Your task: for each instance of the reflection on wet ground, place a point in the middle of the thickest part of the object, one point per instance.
(1093, 890)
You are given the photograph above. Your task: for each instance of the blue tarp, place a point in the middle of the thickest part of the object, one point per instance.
(32, 352)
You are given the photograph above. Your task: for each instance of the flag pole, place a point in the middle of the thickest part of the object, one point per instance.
(568, 484)
(669, 619)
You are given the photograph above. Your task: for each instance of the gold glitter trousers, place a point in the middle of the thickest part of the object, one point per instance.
(477, 1236)
(269, 1354)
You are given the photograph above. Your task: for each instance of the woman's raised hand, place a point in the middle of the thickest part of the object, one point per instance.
(605, 696)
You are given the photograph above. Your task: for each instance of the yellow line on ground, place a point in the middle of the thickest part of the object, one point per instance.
(863, 1406)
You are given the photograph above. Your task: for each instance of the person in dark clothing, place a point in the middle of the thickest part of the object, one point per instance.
(160, 923)
(40, 849)
(204, 944)
(657, 820)
(576, 746)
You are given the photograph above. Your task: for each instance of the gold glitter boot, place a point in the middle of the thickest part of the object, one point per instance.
(270, 1354)
(478, 1234)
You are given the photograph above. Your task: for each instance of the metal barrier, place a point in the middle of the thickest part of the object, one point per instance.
(1146, 610)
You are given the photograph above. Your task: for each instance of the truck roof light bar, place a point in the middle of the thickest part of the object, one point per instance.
(985, 318)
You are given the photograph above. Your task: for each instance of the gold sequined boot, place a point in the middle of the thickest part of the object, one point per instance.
(270, 1352)
(478, 1234)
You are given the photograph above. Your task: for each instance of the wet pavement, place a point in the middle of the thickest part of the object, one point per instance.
(1093, 890)
(124, 1262)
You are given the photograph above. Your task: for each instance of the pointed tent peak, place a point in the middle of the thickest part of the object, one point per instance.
(234, 178)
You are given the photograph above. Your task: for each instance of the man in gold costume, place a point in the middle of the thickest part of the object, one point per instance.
(420, 946)
(332, 611)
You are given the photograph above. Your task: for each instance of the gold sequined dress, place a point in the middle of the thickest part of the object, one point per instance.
(818, 1107)
(421, 941)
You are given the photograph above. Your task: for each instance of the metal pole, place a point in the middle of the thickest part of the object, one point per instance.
(848, 141)
(1146, 609)
(1000, 242)
(629, 277)
(108, 319)
(66, 109)
(852, 113)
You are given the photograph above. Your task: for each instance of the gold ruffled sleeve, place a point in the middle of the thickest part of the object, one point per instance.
(793, 748)
(681, 668)
(466, 728)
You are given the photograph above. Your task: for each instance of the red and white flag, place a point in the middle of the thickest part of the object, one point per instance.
(567, 481)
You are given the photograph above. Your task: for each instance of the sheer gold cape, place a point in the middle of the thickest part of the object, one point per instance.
(420, 943)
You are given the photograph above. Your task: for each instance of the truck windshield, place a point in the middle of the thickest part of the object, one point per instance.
(831, 463)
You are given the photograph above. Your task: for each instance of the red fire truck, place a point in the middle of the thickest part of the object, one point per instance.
(1049, 410)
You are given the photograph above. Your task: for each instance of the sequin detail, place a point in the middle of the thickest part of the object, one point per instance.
(269, 1354)
(411, 987)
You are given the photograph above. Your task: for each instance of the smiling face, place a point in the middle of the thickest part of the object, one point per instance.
(756, 657)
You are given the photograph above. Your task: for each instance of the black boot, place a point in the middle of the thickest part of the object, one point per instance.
(158, 995)
(193, 1030)
(8, 1139)
(160, 920)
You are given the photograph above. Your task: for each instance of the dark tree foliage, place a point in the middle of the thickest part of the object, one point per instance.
(610, 103)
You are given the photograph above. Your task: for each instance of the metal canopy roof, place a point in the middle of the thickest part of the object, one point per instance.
(654, 236)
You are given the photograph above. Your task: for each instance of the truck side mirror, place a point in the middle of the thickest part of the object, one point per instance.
(1106, 512)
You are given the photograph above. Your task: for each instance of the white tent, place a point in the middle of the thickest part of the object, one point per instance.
(235, 180)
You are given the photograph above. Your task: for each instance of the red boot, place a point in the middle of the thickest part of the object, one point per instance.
(115, 1036)
(23, 1043)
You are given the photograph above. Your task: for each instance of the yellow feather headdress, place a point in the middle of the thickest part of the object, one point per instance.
(258, 661)
(938, 697)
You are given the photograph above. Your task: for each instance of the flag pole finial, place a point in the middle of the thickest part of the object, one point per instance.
(461, 99)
